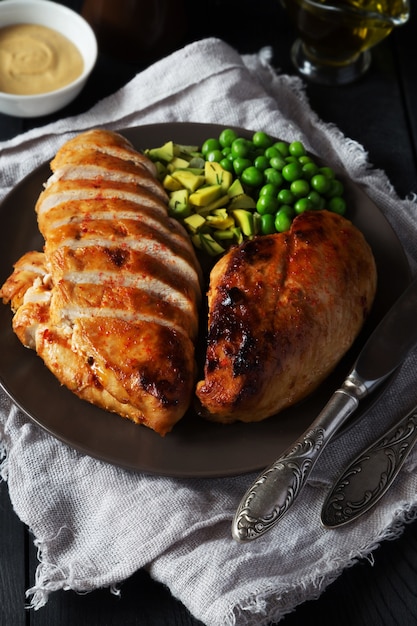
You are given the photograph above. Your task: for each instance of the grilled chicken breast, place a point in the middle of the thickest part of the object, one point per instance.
(283, 310)
(111, 304)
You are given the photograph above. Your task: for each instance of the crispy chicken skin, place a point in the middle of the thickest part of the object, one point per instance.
(111, 304)
(283, 310)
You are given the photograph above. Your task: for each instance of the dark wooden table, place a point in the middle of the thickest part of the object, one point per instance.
(380, 112)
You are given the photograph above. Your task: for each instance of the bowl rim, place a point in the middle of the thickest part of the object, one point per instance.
(88, 66)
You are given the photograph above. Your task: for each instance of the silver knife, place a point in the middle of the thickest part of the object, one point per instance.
(276, 489)
(371, 474)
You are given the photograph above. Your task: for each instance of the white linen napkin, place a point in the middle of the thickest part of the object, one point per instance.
(96, 524)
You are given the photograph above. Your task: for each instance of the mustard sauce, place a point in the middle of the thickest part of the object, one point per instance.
(36, 59)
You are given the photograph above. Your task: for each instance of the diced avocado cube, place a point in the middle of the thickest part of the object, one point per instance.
(180, 195)
(222, 223)
(257, 224)
(195, 222)
(216, 175)
(178, 203)
(221, 212)
(235, 189)
(188, 179)
(224, 235)
(198, 171)
(163, 153)
(231, 235)
(186, 151)
(244, 219)
(171, 184)
(205, 195)
(160, 170)
(237, 231)
(213, 206)
(243, 201)
(197, 161)
(210, 245)
(196, 241)
(177, 163)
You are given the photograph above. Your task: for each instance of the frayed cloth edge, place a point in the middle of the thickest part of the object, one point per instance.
(4, 461)
(38, 595)
(259, 605)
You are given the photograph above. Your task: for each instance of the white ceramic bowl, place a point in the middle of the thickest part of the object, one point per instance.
(68, 23)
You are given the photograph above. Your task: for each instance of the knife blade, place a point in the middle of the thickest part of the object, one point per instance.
(371, 474)
(279, 485)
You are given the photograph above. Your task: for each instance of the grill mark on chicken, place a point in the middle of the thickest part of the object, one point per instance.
(115, 252)
(73, 213)
(113, 223)
(96, 173)
(109, 216)
(146, 284)
(51, 199)
(72, 314)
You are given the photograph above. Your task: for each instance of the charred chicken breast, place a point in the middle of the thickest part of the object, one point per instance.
(111, 304)
(283, 310)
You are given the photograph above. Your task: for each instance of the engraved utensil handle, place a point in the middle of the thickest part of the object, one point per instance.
(279, 485)
(275, 490)
(371, 474)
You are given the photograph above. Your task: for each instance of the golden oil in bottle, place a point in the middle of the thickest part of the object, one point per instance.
(335, 32)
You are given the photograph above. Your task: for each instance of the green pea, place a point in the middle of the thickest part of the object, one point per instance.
(268, 224)
(336, 188)
(292, 171)
(300, 188)
(310, 169)
(283, 219)
(252, 176)
(289, 210)
(240, 164)
(227, 137)
(304, 158)
(261, 163)
(269, 190)
(337, 205)
(282, 146)
(209, 145)
(273, 176)
(302, 205)
(261, 140)
(240, 148)
(214, 155)
(320, 183)
(316, 199)
(272, 152)
(277, 162)
(227, 164)
(328, 172)
(297, 149)
(285, 196)
(266, 205)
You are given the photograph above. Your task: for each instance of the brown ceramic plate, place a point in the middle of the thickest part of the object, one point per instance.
(195, 447)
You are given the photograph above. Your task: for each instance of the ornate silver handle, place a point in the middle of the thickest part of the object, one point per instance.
(369, 477)
(276, 489)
